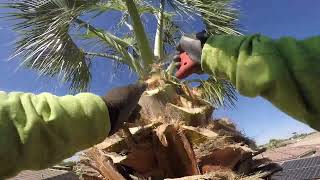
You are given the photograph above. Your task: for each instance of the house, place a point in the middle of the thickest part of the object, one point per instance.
(299, 158)
(303, 168)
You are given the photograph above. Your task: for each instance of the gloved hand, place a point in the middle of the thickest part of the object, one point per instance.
(189, 52)
(121, 102)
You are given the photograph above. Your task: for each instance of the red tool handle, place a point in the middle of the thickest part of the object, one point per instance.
(186, 66)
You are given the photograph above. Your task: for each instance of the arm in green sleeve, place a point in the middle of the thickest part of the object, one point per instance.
(38, 131)
(286, 71)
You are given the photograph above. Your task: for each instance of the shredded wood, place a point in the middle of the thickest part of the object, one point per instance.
(177, 141)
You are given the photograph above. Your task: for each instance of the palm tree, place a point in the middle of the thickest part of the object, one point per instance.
(49, 30)
(52, 33)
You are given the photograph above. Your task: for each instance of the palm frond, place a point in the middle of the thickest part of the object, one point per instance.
(110, 5)
(218, 15)
(119, 5)
(120, 47)
(106, 37)
(45, 44)
(219, 93)
(172, 32)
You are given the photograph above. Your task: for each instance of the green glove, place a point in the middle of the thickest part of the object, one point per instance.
(121, 102)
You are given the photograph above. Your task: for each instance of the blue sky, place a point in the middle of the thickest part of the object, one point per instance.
(256, 117)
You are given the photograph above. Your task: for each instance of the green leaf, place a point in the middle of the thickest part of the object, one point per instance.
(106, 37)
(110, 5)
(218, 15)
(218, 92)
(172, 32)
(45, 44)
(119, 46)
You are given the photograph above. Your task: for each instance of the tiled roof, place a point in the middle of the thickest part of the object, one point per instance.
(51, 174)
(305, 147)
(290, 152)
